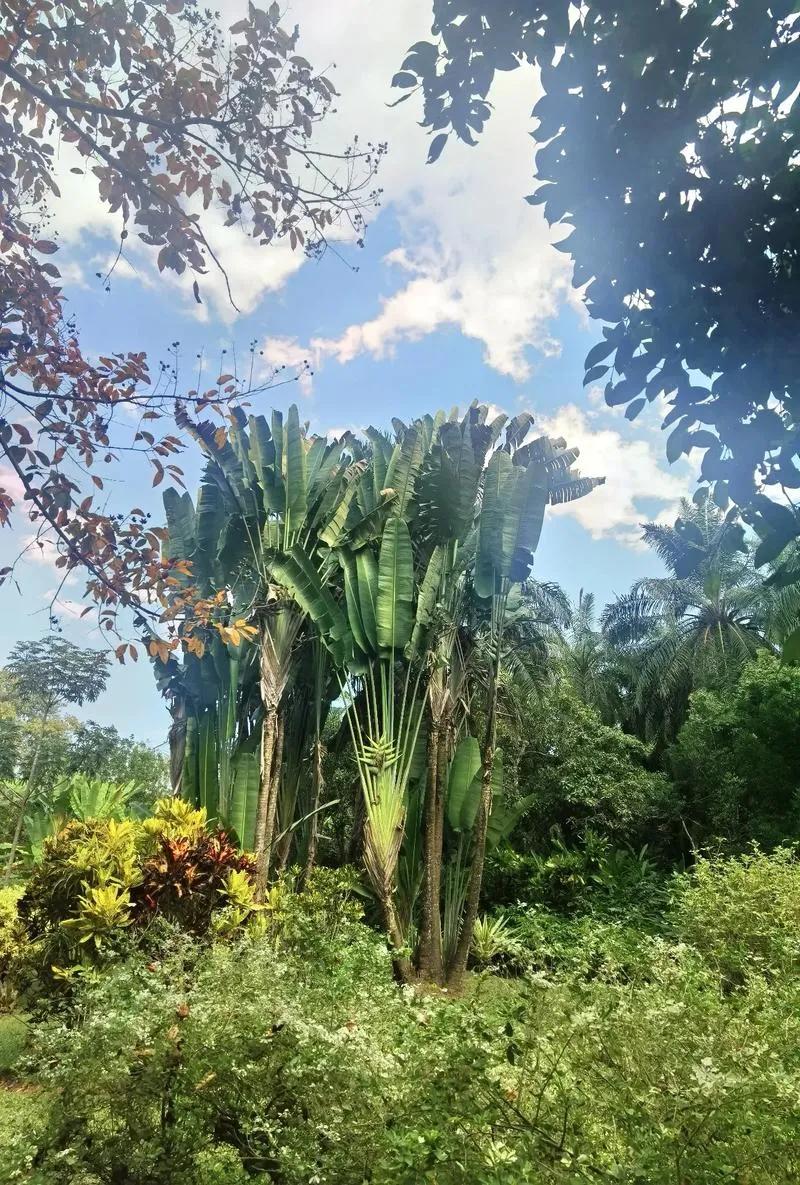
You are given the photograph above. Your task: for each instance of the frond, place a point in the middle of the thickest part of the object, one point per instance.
(570, 486)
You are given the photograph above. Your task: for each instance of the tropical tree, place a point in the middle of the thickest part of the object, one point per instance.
(367, 556)
(697, 626)
(591, 665)
(48, 674)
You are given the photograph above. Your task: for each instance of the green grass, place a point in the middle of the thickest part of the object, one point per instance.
(22, 1108)
(13, 1035)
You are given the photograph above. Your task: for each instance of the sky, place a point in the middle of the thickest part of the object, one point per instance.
(458, 293)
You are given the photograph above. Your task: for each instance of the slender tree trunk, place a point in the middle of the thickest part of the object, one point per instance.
(355, 848)
(458, 970)
(430, 952)
(23, 802)
(268, 736)
(313, 832)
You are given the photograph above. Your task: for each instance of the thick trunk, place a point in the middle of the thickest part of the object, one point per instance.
(275, 778)
(177, 747)
(455, 979)
(403, 968)
(268, 734)
(429, 959)
(282, 849)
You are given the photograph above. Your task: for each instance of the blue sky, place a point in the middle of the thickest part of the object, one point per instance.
(459, 294)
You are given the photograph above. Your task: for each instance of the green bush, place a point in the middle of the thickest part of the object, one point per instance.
(102, 883)
(587, 877)
(13, 946)
(736, 761)
(653, 1083)
(252, 1058)
(743, 914)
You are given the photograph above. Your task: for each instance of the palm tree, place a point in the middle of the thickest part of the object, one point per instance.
(696, 627)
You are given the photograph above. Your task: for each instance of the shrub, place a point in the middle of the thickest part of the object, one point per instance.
(102, 882)
(736, 761)
(12, 946)
(655, 1082)
(591, 876)
(495, 944)
(743, 914)
(248, 1059)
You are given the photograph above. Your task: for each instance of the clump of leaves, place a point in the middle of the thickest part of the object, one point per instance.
(494, 942)
(743, 914)
(102, 882)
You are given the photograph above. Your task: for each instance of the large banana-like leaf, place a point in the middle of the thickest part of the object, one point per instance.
(210, 517)
(297, 573)
(241, 816)
(395, 605)
(181, 542)
(370, 527)
(489, 559)
(207, 763)
(367, 575)
(523, 515)
(404, 466)
(428, 597)
(334, 530)
(448, 487)
(465, 769)
(381, 455)
(296, 476)
(354, 616)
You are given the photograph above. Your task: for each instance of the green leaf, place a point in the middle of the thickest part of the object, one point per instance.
(524, 505)
(334, 531)
(677, 443)
(437, 145)
(428, 596)
(790, 651)
(347, 563)
(490, 526)
(404, 467)
(241, 818)
(464, 771)
(598, 353)
(367, 574)
(296, 572)
(179, 509)
(207, 777)
(296, 476)
(594, 373)
(394, 613)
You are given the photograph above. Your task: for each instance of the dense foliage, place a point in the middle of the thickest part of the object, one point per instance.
(293, 1054)
(667, 132)
(102, 883)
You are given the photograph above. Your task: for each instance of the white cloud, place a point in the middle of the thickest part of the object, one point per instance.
(287, 352)
(10, 482)
(632, 470)
(474, 256)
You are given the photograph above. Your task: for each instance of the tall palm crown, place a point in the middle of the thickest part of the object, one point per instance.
(695, 627)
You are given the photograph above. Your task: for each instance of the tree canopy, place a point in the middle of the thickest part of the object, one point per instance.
(173, 122)
(668, 141)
